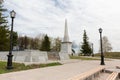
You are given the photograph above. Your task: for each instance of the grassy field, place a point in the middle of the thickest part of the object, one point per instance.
(113, 55)
(19, 67)
(84, 58)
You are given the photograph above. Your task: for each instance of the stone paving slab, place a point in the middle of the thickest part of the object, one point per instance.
(62, 72)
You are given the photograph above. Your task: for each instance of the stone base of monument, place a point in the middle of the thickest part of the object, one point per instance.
(64, 56)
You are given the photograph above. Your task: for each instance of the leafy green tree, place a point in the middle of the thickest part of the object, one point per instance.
(85, 48)
(4, 32)
(45, 44)
(4, 39)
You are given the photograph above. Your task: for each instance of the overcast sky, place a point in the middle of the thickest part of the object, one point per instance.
(48, 16)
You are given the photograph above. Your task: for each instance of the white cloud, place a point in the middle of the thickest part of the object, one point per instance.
(47, 16)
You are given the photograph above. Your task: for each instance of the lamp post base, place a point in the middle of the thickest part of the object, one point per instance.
(102, 63)
(102, 60)
(9, 62)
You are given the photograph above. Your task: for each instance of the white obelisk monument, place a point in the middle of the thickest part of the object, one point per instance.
(66, 49)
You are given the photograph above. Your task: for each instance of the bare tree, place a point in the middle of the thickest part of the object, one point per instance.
(56, 44)
(106, 45)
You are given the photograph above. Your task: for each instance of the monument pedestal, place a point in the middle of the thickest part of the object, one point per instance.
(65, 50)
(64, 56)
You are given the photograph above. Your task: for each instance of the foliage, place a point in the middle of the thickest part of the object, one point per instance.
(83, 58)
(23, 42)
(4, 39)
(114, 55)
(4, 32)
(106, 45)
(85, 48)
(26, 42)
(15, 38)
(21, 66)
(45, 44)
(34, 43)
(56, 44)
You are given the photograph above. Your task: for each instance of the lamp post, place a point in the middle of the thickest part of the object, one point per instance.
(9, 61)
(92, 50)
(102, 56)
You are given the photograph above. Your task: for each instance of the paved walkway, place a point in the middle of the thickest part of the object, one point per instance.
(70, 69)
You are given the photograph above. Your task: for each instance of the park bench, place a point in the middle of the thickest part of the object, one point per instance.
(113, 76)
(89, 75)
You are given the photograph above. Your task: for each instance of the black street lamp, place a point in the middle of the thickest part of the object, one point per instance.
(92, 50)
(102, 56)
(9, 61)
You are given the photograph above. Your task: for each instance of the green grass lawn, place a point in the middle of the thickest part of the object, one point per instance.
(20, 66)
(113, 55)
(83, 58)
